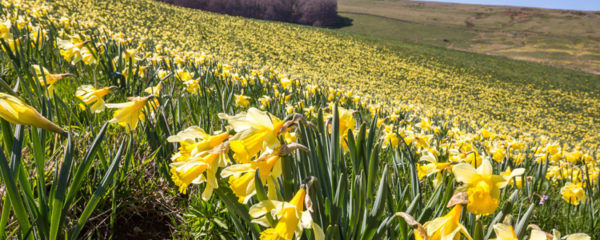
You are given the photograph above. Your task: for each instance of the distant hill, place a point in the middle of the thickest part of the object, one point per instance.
(564, 38)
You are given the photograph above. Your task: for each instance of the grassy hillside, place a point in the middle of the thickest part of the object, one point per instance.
(120, 127)
(491, 89)
(562, 38)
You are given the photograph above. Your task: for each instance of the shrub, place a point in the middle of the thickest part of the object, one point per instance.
(309, 12)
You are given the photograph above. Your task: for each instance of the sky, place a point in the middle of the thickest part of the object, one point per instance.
(585, 5)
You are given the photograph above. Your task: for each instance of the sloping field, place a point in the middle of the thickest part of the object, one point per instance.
(113, 125)
(492, 90)
(563, 38)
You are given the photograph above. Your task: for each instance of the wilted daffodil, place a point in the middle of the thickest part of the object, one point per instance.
(92, 97)
(445, 227)
(573, 193)
(15, 111)
(47, 79)
(199, 157)
(130, 113)
(482, 186)
(290, 216)
(256, 131)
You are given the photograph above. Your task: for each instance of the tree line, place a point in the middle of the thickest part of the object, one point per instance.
(308, 12)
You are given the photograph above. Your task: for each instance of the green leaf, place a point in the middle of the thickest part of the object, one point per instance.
(522, 224)
(59, 196)
(14, 196)
(99, 193)
(85, 166)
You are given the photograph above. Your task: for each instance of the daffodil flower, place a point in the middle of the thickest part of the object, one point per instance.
(154, 90)
(519, 179)
(242, 176)
(291, 218)
(242, 100)
(193, 86)
(199, 157)
(256, 131)
(45, 78)
(93, 97)
(130, 113)
(71, 49)
(447, 227)
(15, 111)
(482, 186)
(424, 124)
(5, 27)
(286, 82)
(429, 166)
(346, 122)
(504, 232)
(538, 234)
(573, 193)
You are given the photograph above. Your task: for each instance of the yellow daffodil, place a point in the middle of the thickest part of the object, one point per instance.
(573, 193)
(241, 100)
(447, 227)
(241, 176)
(424, 124)
(154, 90)
(286, 82)
(256, 131)
(482, 186)
(193, 86)
(265, 101)
(346, 122)
(198, 159)
(71, 49)
(15, 111)
(538, 234)
(45, 78)
(429, 166)
(511, 181)
(504, 232)
(92, 97)
(390, 137)
(183, 75)
(291, 218)
(129, 113)
(5, 29)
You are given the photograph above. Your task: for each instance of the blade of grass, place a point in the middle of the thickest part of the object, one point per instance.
(99, 193)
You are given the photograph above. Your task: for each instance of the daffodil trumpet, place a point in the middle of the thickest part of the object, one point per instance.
(130, 113)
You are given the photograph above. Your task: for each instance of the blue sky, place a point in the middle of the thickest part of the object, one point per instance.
(586, 5)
